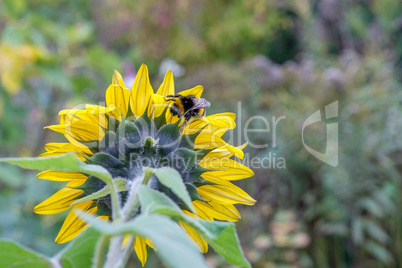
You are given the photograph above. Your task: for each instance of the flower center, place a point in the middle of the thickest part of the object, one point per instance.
(129, 147)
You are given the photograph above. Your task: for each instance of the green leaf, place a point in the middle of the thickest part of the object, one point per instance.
(120, 186)
(174, 247)
(376, 231)
(378, 251)
(182, 159)
(16, 256)
(172, 179)
(67, 162)
(80, 251)
(220, 235)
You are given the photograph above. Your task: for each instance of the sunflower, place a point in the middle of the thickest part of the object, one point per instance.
(136, 129)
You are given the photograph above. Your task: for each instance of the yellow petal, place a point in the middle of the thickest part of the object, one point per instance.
(222, 152)
(226, 193)
(224, 168)
(231, 174)
(195, 91)
(140, 247)
(117, 79)
(119, 97)
(210, 138)
(126, 238)
(211, 123)
(234, 150)
(73, 226)
(91, 113)
(103, 218)
(141, 92)
(150, 244)
(58, 202)
(83, 125)
(56, 128)
(84, 130)
(199, 241)
(75, 183)
(55, 149)
(167, 86)
(224, 120)
(217, 211)
(200, 212)
(51, 175)
(157, 106)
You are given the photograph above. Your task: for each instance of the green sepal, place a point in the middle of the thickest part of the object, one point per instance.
(188, 140)
(202, 153)
(183, 206)
(93, 146)
(192, 175)
(201, 182)
(150, 142)
(91, 185)
(105, 160)
(119, 183)
(129, 130)
(182, 159)
(108, 141)
(169, 138)
(145, 127)
(130, 115)
(160, 121)
(113, 123)
(103, 209)
(172, 179)
(129, 139)
(192, 190)
(148, 153)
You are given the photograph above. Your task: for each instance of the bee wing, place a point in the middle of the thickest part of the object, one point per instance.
(201, 103)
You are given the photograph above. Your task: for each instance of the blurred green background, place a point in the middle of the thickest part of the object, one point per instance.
(277, 58)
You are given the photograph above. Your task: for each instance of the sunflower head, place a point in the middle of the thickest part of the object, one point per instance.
(138, 130)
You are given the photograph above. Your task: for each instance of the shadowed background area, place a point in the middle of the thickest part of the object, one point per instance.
(277, 58)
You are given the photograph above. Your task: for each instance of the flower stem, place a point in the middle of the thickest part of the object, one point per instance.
(133, 202)
(114, 254)
(100, 251)
(126, 253)
(116, 257)
(116, 213)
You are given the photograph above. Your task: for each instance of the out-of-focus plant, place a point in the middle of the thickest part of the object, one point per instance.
(318, 51)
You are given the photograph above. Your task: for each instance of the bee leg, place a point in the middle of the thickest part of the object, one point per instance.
(172, 96)
(187, 118)
(174, 110)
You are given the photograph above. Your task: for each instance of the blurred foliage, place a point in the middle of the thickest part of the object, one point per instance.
(276, 57)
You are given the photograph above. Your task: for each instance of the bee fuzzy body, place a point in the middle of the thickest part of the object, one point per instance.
(188, 106)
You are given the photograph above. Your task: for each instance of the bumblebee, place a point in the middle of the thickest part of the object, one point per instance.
(187, 106)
